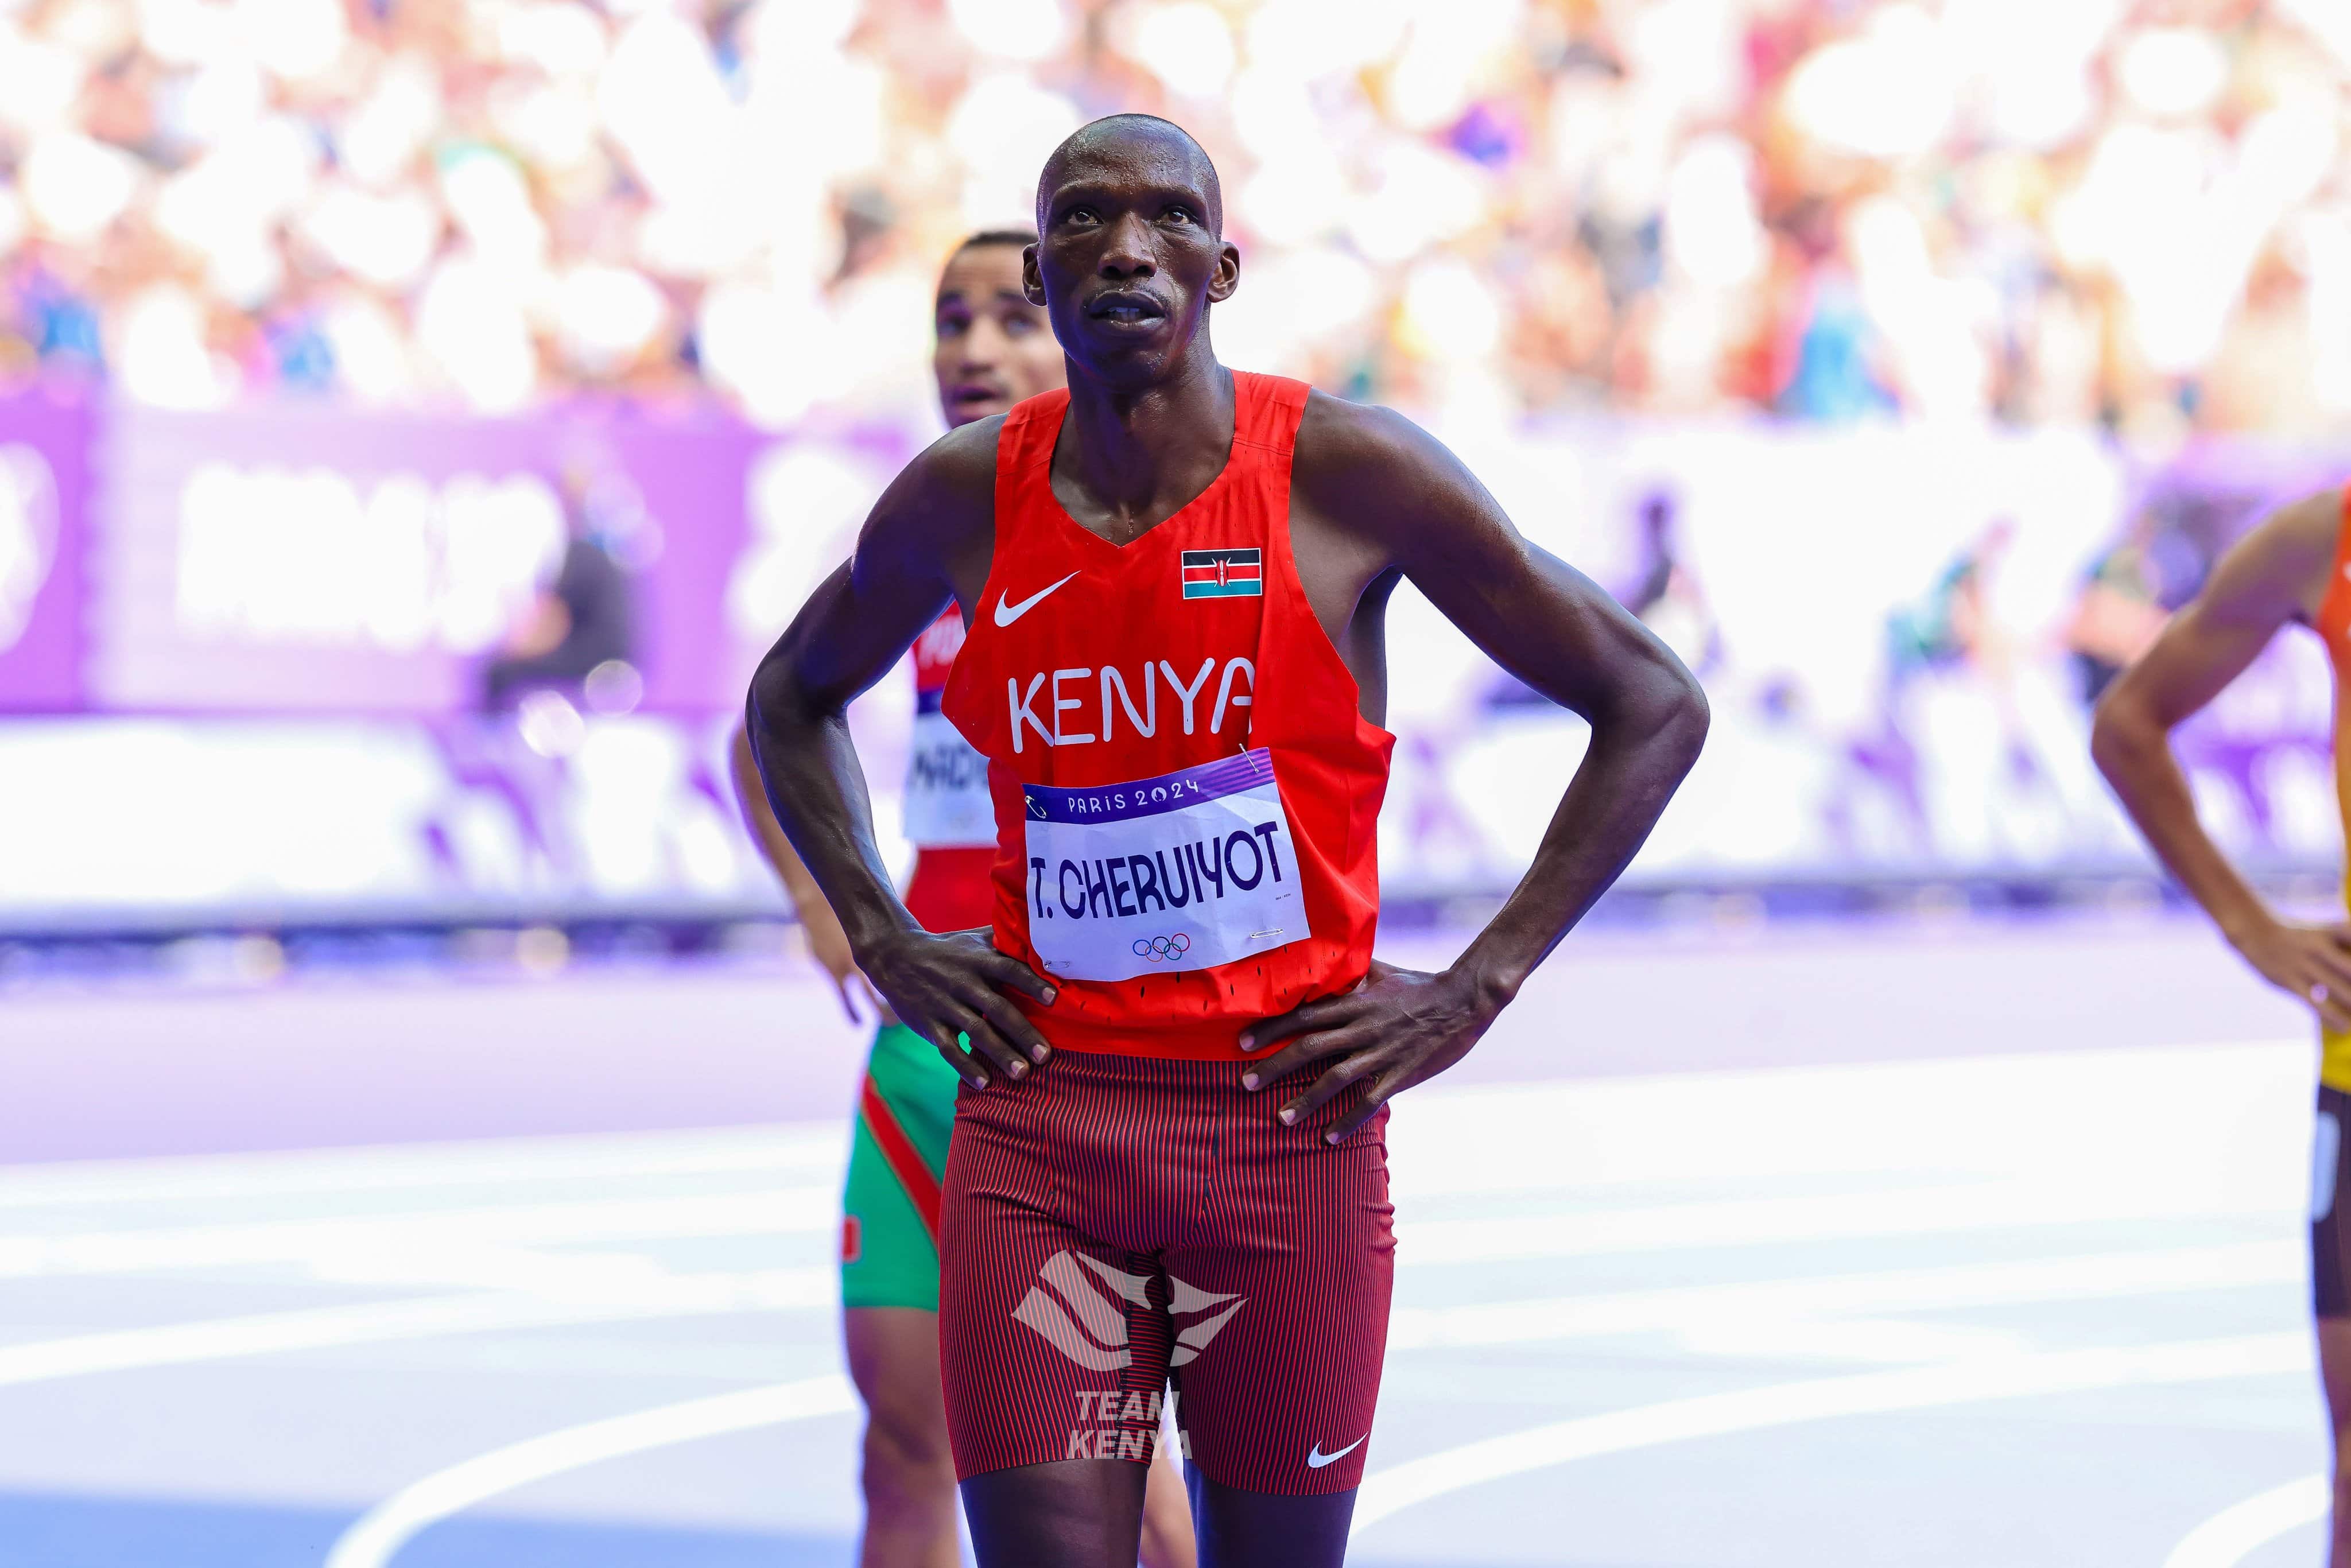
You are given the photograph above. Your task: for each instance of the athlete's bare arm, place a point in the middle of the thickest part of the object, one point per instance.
(1373, 497)
(2276, 574)
(927, 540)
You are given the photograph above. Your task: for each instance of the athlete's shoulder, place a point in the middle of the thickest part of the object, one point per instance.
(1335, 433)
(939, 515)
(2283, 565)
(2297, 537)
(2311, 525)
(948, 488)
(960, 463)
(1370, 463)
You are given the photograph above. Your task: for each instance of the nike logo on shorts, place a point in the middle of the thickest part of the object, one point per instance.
(1007, 614)
(1318, 1458)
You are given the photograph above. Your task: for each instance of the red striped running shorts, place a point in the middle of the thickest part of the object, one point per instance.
(1118, 1225)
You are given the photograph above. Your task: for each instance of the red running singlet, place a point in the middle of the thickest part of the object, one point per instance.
(1187, 795)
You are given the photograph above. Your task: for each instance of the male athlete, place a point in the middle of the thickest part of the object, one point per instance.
(1174, 577)
(2295, 567)
(993, 350)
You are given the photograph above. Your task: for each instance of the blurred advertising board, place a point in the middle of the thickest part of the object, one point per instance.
(277, 628)
(44, 477)
(321, 561)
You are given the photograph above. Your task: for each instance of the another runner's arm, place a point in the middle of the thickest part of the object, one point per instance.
(931, 530)
(2274, 575)
(1403, 504)
(827, 943)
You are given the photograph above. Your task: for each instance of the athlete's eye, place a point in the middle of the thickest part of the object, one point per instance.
(1019, 324)
(1187, 214)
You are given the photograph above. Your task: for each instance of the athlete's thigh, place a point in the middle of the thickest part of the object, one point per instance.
(1052, 1345)
(1280, 1307)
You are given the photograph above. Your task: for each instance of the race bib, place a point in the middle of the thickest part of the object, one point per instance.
(1185, 871)
(946, 787)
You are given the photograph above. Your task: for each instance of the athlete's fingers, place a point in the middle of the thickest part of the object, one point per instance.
(1330, 1082)
(967, 1069)
(2330, 1000)
(1320, 1014)
(999, 1052)
(1009, 1022)
(1348, 1125)
(2333, 965)
(1298, 1053)
(1003, 969)
(840, 984)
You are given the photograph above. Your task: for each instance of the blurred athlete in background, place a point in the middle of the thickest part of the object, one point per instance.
(994, 351)
(2295, 567)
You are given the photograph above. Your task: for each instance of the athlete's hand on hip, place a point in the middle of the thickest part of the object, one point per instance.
(941, 986)
(1397, 1028)
(2311, 962)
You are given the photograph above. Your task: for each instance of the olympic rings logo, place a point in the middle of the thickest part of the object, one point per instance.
(1168, 947)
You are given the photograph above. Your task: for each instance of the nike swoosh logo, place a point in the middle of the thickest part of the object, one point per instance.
(1007, 612)
(1318, 1458)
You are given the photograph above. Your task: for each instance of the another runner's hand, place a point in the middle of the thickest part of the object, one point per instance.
(829, 946)
(942, 985)
(1397, 1028)
(2311, 963)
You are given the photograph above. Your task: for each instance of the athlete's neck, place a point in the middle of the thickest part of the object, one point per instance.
(1129, 457)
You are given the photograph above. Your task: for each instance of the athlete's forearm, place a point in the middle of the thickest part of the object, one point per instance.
(1642, 748)
(2132, 749)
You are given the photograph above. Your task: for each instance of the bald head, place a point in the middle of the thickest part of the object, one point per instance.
(1132, 143)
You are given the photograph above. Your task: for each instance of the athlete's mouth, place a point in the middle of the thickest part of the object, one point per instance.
(965, 393)
(1126, 306)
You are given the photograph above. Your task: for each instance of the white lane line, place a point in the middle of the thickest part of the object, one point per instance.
(809, 1210)
(598, 1296)
(383, 1530)
(1706, 1307)
(265, 1334)
(2237, 1532)
(769, 1211)
(1399, 1487)
(772, 1149)
(1826, 1217)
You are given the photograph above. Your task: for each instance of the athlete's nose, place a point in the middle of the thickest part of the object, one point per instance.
(1127, 250)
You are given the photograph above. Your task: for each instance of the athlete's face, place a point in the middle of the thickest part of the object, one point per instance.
(1130, 256)
(994, 348)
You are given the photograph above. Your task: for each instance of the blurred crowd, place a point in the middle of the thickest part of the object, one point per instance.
(2133, 212)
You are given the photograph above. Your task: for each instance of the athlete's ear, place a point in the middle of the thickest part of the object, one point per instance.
(1032, 283)
(1228, 273)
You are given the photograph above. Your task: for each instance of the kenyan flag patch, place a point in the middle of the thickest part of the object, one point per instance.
(1224, 573)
